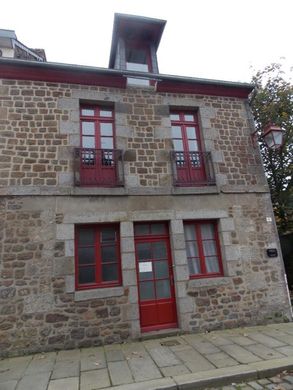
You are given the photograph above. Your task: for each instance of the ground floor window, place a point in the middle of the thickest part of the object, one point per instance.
(97, 249)
(203, 249)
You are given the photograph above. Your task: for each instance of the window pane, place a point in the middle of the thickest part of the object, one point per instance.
(146, 290)
(107, 143)
(209, 248)
(106, 129)
(88, 142)
(190, 132)
(136, 55)
(174, 117)
(141, 229)
(106, 113)
(86, 255)
(161, 269)
(107, 158)
(163, 289)
(194, 266)
(189, 117)
(178, 145)
(159, 250)
(88, 158)
(88, 128)
(87, 112)
(192, 146)
(140, 82)
(144, 251)
(176, 132)
(158, 228)
(86, 237)
(189, 232)
(278, 137)
(139, 68)
(195, 159)
(212, 264)
(207, 230)
(192, 249)
(109, 272)
(108, 234)
(86, 275)
(108, 253)
(180, 160)
(145, 271)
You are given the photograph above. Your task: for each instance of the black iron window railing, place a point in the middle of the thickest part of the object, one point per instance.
(98, 167)
(192, 169)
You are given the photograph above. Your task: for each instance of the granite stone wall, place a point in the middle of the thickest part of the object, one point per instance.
(40, 308)
(39, 124)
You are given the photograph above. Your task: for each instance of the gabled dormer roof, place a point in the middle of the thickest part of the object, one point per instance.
(135, 27)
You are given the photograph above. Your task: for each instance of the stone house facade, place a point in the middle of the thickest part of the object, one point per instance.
(131, 202)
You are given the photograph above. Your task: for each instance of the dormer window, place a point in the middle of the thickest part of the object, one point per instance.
(138, 59)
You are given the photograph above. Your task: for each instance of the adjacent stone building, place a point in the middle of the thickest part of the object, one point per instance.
(131, 202)
(11, 47)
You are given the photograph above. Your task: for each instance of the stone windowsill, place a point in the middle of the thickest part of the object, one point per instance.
(98, 191)
(257, 188)
(195, 190)
(194, 284)
(98, 293)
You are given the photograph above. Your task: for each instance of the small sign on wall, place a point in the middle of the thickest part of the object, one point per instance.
(145, 266)
(272, 252)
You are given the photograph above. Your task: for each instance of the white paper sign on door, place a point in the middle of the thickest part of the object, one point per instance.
(145, 266)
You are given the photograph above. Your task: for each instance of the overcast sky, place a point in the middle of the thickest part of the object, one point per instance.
(216, 39)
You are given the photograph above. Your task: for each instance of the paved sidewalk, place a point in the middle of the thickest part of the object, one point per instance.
(189, 361)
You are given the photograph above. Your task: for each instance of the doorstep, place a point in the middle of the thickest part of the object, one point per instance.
(157, 334)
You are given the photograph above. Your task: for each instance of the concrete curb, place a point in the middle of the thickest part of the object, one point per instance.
(217, 377)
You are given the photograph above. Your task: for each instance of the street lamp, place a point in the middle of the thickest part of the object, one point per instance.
(273, 136)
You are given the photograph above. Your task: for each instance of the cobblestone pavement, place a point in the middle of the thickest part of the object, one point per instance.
(189, 361)
(282, 381)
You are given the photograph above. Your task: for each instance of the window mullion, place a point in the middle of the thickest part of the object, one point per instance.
(200, 248)
(98, 257)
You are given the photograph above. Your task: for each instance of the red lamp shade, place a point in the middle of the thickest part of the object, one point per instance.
(273, 136)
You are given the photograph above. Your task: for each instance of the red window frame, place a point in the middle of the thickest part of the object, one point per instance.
(184, 124)
(189, 159)
(201, 255)
(97, 118)
(98, 263)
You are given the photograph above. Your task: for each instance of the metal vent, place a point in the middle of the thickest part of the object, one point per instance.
(170, 343)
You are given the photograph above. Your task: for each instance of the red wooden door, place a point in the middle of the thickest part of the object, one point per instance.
(97, 142)
(187, 147)
(157, 302)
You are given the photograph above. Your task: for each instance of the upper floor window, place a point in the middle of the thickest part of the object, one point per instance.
(192, 165)
(203, 249)
(97, 128)
(97, 250)
(98, 158)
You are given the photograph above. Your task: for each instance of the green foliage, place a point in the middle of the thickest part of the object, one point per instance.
(273, 102)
